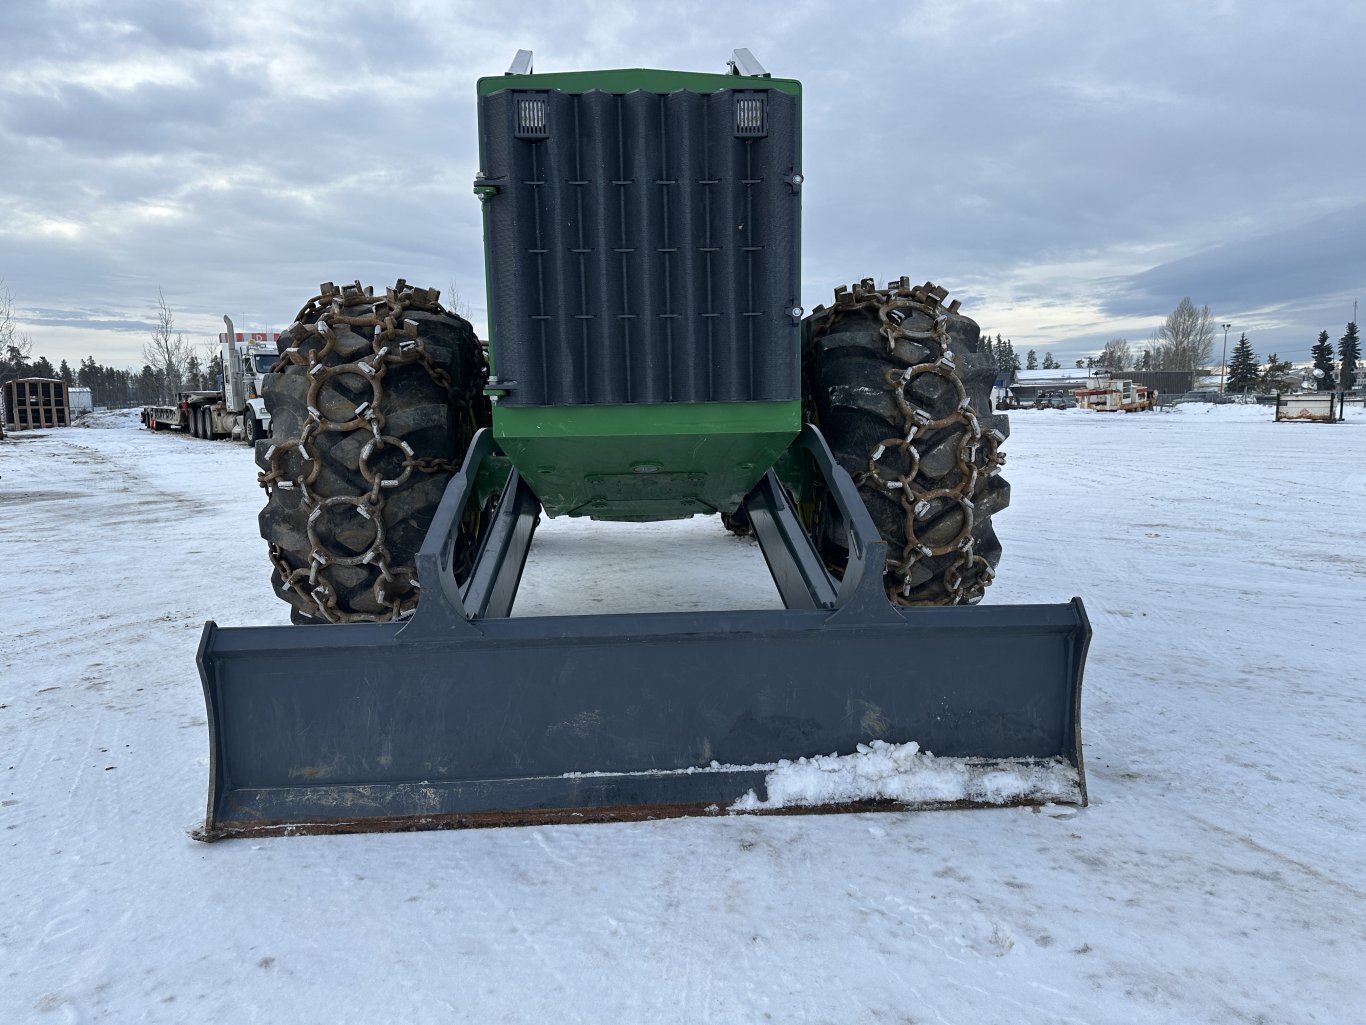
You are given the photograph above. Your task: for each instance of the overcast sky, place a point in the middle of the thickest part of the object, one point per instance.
(1070, 170)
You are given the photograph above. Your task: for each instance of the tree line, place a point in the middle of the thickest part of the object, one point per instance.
(1185, 341)
(113, 387)
(1245, 371)
(1329, 377)
(170, 364)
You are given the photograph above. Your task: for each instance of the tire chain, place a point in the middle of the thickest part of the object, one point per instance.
(395, 342)
(978, 453)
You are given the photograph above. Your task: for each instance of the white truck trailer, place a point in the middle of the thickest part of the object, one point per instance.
(236, 410)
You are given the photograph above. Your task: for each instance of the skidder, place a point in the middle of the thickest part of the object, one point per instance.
(649, 359)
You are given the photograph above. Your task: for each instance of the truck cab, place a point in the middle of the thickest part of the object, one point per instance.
(247, 359)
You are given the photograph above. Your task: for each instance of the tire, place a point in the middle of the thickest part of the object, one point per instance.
(738, 522)
(873, 368)
(331, 491)
(251, 428)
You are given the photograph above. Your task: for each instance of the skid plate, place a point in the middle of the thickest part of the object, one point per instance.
(364, 727)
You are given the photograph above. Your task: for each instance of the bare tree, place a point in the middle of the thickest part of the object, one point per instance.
(14, 347)
(168, 353)
(456, 301)
(6, 316)
(1115, 356)
(1186, 339)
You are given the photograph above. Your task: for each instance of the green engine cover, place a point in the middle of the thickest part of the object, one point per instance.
(641, 242)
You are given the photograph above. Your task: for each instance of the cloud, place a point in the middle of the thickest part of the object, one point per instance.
(98, 320)
(1325, 256)
(1069, 169)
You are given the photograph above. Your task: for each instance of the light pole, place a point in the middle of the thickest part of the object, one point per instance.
(1224, 358)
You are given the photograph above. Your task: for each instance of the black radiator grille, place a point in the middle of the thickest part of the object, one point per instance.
(532, 119)
(640, 250)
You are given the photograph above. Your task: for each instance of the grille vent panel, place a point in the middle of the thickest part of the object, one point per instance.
(751, 115)
(639, 250)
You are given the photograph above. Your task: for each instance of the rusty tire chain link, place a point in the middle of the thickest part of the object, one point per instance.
(394, 342)
(978, 452)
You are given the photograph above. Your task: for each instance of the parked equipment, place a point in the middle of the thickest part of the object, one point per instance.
(1324, 407)
(33, 403)
(649, 360)
(236, 410)
(1116, 395)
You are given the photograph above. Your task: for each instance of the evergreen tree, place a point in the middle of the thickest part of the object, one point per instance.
(1243, 369)
(149, 386)
(1049, 363)
(1012, 358)
(1032, 359)
(1349, 351)
(64, 372)
(1007, 363)
(1323, 360)
(998, 353)
(1277, 375)
(1081, 363)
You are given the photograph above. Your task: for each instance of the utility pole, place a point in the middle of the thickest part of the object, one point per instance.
(1342, 378)
(1224, 358)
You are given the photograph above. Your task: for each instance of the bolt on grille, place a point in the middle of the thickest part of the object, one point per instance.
(751, 115)
(533, 121)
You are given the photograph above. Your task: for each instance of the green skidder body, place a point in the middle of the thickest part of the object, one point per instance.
(642, 244)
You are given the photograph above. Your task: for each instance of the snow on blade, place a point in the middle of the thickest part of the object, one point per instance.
(902, 772)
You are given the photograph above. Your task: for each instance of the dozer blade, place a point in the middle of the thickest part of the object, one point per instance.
(451, 720)
(543, 719)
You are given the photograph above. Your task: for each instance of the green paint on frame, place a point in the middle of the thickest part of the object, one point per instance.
(645, 462)
(627, 80)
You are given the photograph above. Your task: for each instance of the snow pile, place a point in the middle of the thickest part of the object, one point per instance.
(902, 772)
(880, 771)
(103, 419)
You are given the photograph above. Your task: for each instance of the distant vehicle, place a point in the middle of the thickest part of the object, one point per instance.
(236, 410)
(1208, 395)
(1055, 402)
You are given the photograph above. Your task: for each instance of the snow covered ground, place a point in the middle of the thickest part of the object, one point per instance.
(1219, 874)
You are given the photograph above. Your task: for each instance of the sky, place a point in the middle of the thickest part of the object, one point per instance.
(1069, 170)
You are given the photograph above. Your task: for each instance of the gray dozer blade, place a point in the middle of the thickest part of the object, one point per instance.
(461, 716)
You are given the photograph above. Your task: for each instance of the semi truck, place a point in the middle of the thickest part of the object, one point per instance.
(236, 409)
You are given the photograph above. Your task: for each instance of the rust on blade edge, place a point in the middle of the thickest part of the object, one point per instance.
(567, 816)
